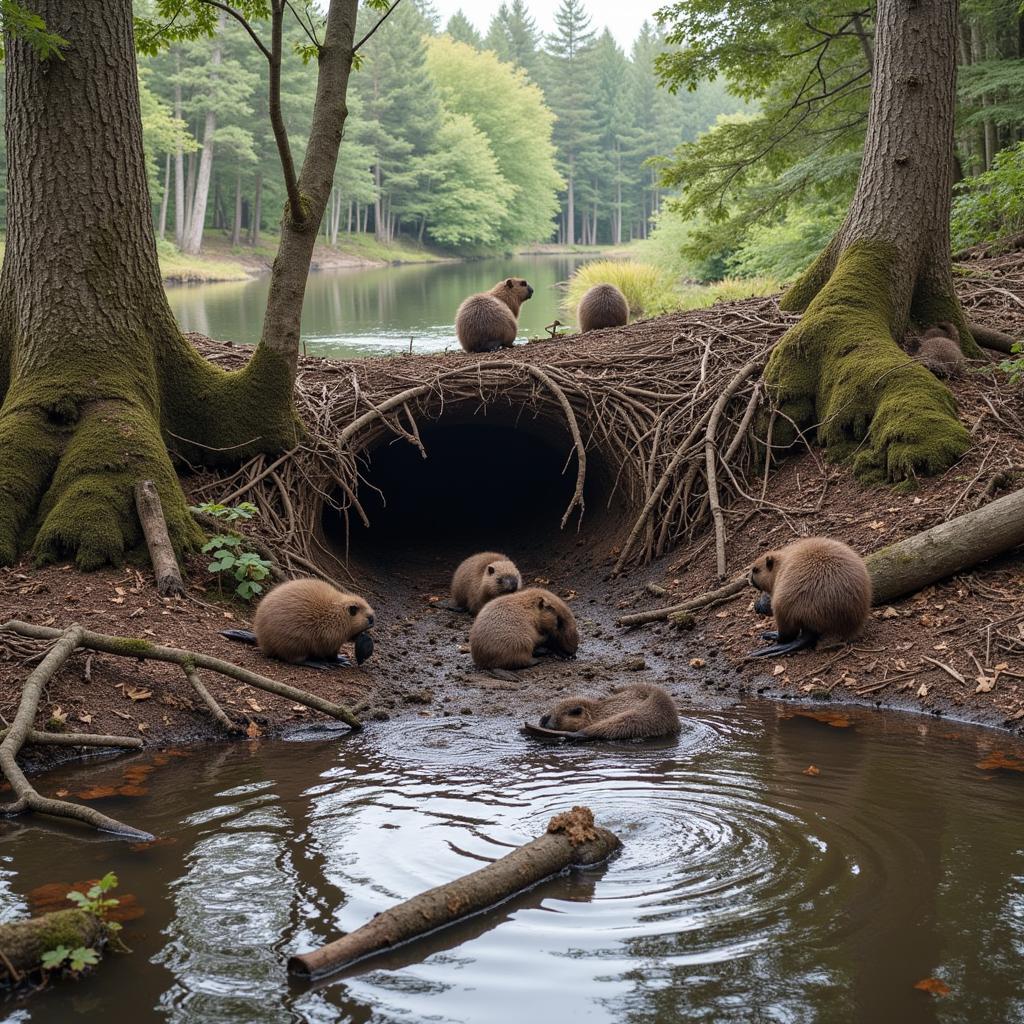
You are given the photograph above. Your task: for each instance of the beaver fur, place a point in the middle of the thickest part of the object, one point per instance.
(509, 629)
(939, 350)
(818, 587)
(309, 620)
(482, 577)
(488, 321)
(635, 712)
(604, 305)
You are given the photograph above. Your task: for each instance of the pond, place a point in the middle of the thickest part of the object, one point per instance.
(746, 889)
(360, 312)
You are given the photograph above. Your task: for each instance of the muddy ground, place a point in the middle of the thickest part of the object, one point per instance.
(955, 650)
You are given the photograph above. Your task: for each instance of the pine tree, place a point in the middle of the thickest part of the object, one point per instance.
(569, 87)
(513, 35)
(461, 29)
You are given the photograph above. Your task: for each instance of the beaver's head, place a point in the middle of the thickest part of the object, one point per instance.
(570, 715)
(762, 572)
(501, 577)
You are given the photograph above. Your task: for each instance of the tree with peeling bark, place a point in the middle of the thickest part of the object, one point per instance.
(97, 384)
(840, 369)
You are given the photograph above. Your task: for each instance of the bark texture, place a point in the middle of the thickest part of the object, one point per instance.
(840, 370)
(96, 379)
(23, 943)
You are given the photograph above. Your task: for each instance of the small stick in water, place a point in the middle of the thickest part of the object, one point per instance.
(572, 840)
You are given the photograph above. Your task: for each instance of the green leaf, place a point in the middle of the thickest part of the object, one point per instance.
(54, 958)
(78, 897)
(83, 956)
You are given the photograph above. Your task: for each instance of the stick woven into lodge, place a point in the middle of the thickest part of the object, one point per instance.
(572, 840)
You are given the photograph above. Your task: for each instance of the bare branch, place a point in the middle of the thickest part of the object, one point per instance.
(241, 21)
(384, 17)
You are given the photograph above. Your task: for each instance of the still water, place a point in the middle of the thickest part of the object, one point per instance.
(354, 312)
(746, 890)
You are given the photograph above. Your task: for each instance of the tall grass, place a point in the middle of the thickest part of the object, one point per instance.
(651, 291)
(648, 290)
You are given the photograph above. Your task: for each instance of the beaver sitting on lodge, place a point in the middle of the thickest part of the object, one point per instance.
(490, 320)
(816, 587)
(307, 621)
(513, 629)
(604, 305)
(636, 712)
(482, 577)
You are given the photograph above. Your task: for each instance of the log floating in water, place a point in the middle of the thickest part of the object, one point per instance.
(572, 840)
(23, 943)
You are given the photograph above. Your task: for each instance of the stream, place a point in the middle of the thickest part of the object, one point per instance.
(746, 889)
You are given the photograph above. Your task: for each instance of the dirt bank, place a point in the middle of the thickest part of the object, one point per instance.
(925, 653)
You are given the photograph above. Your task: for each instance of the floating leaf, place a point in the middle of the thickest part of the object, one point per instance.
(1000, 759)
(936, 986)
(812, 770)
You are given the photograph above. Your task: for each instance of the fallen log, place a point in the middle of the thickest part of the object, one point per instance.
(908, 565)
(962, 543)
(161, 551)
(572, 840)
(989, 337)
(23, 943)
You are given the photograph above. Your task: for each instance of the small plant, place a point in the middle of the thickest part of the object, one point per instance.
(247, 568)
(244, 510)
(93, 901)
(1015, 367)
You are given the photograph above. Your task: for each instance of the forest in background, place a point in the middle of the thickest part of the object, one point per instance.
(465, 143)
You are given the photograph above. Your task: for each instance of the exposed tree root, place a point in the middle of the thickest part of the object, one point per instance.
(572, 840)
(26, 797)
(131, 647)
(208, 699)
(706, 600)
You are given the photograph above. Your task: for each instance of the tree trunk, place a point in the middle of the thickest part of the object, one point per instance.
(92, 363)
(257, 211)
(197, 217)
(236, 231)
(190, 191)
(165, 196)
(179, 170)
(840, 369)
(570, 211)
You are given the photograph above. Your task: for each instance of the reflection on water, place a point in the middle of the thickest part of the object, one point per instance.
(352, 313)
(746, 889)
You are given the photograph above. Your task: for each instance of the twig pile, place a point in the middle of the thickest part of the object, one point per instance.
(669, 403)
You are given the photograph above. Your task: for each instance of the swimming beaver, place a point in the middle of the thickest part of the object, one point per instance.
(818, 587)
(632, 713)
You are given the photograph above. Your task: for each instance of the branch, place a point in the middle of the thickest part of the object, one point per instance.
(384, 17)
(284, 150)
(305, 28)
(161, 551)
(241, 21)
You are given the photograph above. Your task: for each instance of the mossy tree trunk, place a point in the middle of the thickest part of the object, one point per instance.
(96, 380)
(840, 369)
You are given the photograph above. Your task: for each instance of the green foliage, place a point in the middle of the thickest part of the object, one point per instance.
(93, 901)
(990, 204)
(513, 35)
(648, 290)
(1014, 367)
(509, 112)
(460, 28)
(785, 249)
(245, 567)
(244, 510)
(18, 22)
(76, 959)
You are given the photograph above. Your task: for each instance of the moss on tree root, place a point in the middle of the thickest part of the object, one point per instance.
(72, 448)
(840, 370)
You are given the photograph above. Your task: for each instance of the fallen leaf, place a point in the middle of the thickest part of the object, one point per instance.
(812, 770)
(120, 591)
(876, 525)
(890, 613)
(253, 731)
(143, 726)
(137, 693)
(941, 647)
(922, 690)
(936, 986)
(985, 684)
(696, 663)
(62, 793)
(254, 705)
(86, 718)
(721, 615)
(117, 600)
(778, 670)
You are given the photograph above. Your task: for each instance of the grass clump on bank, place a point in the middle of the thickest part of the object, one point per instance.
(177, 267)
(651, 291)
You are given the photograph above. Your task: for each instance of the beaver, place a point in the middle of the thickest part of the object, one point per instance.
(602, 306)
(635, 712)
(513, 629)
(481, 577)
(489, 320)
(818, 587)
(307, 621)
(939, 350)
